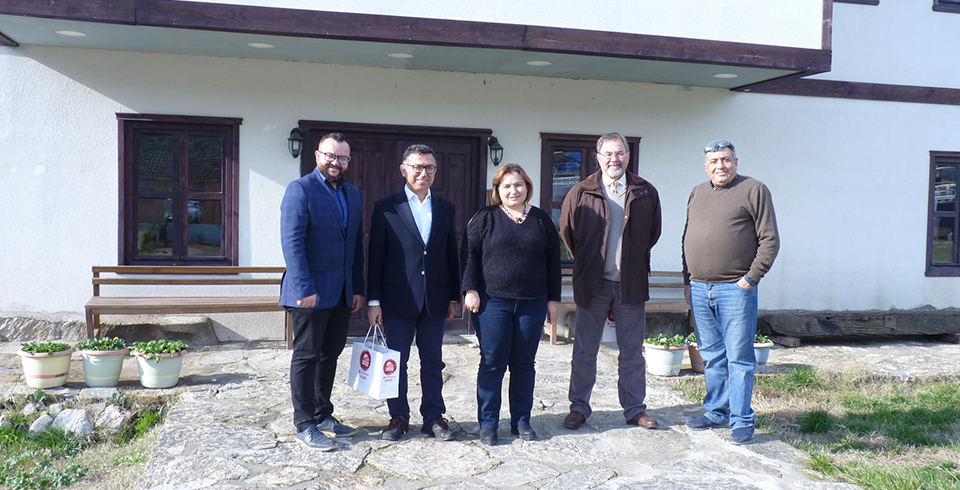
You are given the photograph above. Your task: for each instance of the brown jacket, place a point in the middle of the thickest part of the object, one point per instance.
(584, 227)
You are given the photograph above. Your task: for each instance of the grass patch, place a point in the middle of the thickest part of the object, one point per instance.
(56, 459)
(877, 432)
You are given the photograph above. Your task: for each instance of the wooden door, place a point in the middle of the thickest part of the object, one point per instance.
(376, 153)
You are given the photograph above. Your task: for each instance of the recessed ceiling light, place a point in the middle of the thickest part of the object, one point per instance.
(72, 33)
(539, 63)
(402, 56)
(725, 75)
(261, 45)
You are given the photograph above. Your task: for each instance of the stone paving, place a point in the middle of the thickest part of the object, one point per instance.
(231, 428)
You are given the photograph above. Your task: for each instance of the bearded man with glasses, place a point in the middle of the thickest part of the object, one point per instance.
(609, 222)
(321, 233)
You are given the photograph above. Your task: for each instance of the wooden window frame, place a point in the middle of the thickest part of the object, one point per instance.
(942, 269)
(946, 6)
(128, 125)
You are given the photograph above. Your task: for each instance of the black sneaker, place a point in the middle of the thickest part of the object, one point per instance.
(488, 436)
(524, 431)
(312, 437)
(331, 427)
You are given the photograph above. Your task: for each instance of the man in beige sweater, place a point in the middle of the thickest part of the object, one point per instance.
(729, 243)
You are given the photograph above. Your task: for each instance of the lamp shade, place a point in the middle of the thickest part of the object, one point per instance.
(295, 142)
(496, 150)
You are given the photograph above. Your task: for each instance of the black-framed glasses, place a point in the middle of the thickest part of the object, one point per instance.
(330, 157)
(419, 168)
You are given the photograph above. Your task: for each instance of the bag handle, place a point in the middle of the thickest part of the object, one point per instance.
(376, 332)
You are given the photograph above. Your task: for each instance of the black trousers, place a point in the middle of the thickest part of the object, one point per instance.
(318, 339)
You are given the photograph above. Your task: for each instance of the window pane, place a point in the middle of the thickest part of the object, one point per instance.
(566, 173)
(204, 228)
(945, 188)
(204, 163)
(943, 239)
(154, 162)
(154, 232)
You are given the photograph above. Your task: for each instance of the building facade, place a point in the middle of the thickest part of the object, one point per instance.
(156, 131)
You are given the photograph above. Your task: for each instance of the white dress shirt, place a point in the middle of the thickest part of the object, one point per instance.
(422, 212)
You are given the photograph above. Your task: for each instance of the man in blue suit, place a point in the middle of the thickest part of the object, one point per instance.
(414, 285)
(321, 232)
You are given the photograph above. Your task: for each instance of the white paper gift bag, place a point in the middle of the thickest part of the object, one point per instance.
(375, 369)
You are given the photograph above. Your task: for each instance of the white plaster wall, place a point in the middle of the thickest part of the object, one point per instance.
(897, 42)
(794, 23)
(849, 178)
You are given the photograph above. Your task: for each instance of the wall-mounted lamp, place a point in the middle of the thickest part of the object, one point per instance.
(295, 142)
(496, 151)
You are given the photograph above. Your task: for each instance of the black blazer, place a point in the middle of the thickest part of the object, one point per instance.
(403, 273)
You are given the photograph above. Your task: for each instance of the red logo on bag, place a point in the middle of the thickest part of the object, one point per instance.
(389, 367)
(365, 360)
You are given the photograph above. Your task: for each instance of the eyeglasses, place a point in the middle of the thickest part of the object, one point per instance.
(609, 155)
(717, 146)
(419, 168)
(330, 157)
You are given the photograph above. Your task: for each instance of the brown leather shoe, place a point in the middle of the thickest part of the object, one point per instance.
(574, 420)
(399, 425)
(643, 420)
(439, 429)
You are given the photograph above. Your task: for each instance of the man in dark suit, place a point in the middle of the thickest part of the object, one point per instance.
(321, 232)
(414, 285)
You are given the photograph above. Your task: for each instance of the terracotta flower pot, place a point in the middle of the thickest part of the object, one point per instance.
(101, 368)
(45, 370)
(696, 360)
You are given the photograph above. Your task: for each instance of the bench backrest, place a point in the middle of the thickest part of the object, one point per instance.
(149, 270)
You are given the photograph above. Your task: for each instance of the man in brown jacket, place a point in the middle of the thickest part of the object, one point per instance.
(609, 222)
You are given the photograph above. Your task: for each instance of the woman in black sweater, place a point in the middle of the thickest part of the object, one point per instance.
(511, 282)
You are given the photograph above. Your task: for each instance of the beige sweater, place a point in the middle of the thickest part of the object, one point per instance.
(731, 231)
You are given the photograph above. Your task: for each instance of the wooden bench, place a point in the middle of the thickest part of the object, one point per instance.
(131, 275)
(663, 296)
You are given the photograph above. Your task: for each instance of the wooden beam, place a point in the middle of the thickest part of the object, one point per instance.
(860, 324)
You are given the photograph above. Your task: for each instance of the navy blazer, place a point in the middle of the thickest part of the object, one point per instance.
(404, 273)
(322, 256)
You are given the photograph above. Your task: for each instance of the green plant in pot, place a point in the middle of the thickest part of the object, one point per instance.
(102, 360)
(663, 354)
(45, 364)
(761, 349)
(159, 362)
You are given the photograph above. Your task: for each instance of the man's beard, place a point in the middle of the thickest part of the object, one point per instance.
(333, 179)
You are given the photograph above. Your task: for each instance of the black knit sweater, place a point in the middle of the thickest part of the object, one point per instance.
(504, 259)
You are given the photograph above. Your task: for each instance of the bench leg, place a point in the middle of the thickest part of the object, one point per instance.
(553, 331)
(288, 330)
(91, 319)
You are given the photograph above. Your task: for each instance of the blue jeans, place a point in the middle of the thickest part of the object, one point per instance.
(726, 323)
(509, 332)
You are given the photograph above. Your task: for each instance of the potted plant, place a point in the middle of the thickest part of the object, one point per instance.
(696, 361)
(761, 349)
(159, 362)
(663, 354)
(102, 360)
(45, 364)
